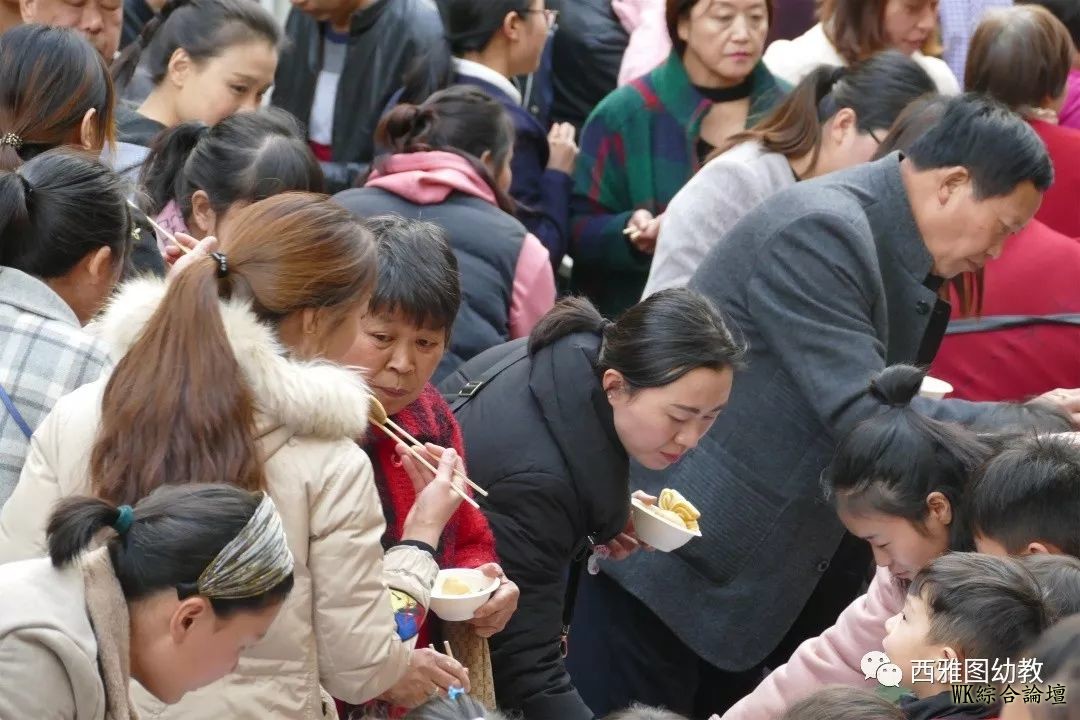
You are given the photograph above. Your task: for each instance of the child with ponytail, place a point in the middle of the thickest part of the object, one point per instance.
(189, 578)
(898, 481)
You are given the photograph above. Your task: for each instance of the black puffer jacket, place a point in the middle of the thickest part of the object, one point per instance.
(540, 438)
(384, 40)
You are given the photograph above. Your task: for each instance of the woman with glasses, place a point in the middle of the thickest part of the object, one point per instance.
(647, 139)
(833, 119)
(488, 42)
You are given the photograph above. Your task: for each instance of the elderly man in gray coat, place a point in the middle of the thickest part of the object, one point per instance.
(830, 282)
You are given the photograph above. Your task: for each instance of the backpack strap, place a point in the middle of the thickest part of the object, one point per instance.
(458, 400)
(15, 414)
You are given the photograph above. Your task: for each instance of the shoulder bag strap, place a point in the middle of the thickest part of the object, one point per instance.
(15, 414)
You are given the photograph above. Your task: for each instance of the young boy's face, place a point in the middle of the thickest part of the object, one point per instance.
(398, 357)
(908, 640)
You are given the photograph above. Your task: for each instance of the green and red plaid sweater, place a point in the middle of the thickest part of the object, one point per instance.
(638, 148)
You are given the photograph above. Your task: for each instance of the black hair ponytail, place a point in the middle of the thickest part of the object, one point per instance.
(461, 119)
(245, 157)
(165, 541)
(165, 163)
(896, 386)
(891, 462)
(58, 207)
(14, 214)
(877, 90)
(124, 66)
(202, 28)
(652, 344)
(74, 524)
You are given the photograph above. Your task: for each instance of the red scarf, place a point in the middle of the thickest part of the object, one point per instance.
(467, 541)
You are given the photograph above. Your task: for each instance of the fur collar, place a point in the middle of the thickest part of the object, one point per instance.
(310, 398)
(108, 612)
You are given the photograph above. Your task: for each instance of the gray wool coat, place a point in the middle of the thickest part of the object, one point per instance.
(827, 283)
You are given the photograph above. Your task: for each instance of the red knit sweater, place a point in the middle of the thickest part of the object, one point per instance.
(467, 541)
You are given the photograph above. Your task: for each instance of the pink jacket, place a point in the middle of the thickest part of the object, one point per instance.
(429, 178)
(650, 43)
(832, 658)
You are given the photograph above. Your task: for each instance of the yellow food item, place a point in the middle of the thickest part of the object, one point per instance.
(667, 515)
(453, 586)
(673, 502)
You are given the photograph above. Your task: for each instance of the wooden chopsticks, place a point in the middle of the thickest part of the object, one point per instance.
(168, 235)
(380, 419)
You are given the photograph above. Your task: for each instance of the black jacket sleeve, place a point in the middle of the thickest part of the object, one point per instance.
(530, 517)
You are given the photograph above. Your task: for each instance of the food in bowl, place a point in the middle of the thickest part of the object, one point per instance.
(666, 528)
(459, 592)
(677, 509)
(455, 586)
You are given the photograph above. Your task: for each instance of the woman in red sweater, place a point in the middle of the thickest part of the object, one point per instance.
(402, 338)
(1021, 56)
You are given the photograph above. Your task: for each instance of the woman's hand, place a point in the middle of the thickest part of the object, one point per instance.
(492, 616)
(435, 500)
(430, 673)
(642, 230)
(1068, 401)
(563, 151)
(627, 543)
(176, 259)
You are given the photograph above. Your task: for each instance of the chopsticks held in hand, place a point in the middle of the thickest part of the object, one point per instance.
(381, 420)
(165, 233)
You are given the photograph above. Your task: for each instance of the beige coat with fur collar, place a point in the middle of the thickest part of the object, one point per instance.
(64, 651)
(337, 628)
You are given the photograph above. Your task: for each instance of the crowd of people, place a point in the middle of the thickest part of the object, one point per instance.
(296, 316)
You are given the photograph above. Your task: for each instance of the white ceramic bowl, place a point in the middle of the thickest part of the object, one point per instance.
(458, 608)
(658, 532)
(934, 389)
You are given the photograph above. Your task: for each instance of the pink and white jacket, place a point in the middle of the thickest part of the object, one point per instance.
(832, 658)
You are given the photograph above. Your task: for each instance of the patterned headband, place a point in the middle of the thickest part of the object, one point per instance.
(254, 562)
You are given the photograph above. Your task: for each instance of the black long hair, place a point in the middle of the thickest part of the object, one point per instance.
(57, 208)
(468, 26)
(247, 156)
(202, 28)
(653, 343)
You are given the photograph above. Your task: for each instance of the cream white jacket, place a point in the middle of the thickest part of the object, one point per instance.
(337, 628)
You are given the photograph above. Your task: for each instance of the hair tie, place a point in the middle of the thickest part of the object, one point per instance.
(222, 263)
(11, 139)
(604, 325)
(124, 518)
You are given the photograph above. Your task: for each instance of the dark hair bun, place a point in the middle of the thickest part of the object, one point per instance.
(896, 385)
(405, 124)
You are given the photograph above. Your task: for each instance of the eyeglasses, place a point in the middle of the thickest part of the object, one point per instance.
(873, 134)
(550, 16)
